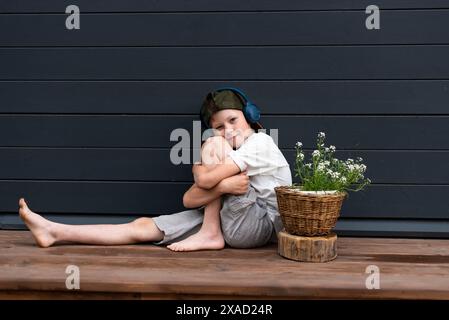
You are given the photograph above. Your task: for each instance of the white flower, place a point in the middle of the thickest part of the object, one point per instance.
(333, 175)
(308, 165)
(359, 159)
(315, 153)
(350, 160)
(332, 148)
(321, 135)
(300, 156)
(357, 167)
(343, 179)
(322, 165)
(326, 149)
(298, 144)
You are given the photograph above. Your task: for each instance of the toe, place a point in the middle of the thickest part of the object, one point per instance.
(23, 204)
(22, 212)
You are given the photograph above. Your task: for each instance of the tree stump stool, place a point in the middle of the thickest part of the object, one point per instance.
(309, 249)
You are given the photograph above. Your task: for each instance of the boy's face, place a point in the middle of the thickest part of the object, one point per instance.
(232, 125)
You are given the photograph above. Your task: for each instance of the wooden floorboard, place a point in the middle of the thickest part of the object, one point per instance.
(409, 269)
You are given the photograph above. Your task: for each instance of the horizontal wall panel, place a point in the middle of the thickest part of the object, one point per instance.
(151, 198)
(344, 227)
(417, 167)
(218, 29)
(345, 132)
(207, 5)
(273, 97)
(92, 164)
(393, 228)
(376, 201)
(223, 63)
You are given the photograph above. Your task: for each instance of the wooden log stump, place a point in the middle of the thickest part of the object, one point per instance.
(309, 249)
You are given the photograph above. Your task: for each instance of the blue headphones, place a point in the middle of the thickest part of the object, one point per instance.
(250, 110)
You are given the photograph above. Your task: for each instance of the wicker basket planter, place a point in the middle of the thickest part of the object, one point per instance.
(308, 213)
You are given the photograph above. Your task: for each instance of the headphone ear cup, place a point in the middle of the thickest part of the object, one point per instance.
(252, 113)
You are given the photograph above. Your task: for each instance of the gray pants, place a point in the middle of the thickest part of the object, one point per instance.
(244, 222)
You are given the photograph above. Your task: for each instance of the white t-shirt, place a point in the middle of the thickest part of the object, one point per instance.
(267, 168)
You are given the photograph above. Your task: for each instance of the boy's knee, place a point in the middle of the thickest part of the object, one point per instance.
(142, 222)
(216, 139)
(214, 149)
(216, 143)
(145, 229)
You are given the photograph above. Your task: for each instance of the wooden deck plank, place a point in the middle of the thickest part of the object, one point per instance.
(410, 269)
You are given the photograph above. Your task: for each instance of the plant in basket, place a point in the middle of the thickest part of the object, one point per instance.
(312, 206)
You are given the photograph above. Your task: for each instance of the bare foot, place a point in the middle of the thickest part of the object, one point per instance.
(40, 227)
(199, 241)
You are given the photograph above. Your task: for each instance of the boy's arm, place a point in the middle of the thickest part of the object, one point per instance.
(207, 178)
(197, 197)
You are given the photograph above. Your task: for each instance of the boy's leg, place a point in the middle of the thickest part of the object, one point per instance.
(47, 233)
(209, 237)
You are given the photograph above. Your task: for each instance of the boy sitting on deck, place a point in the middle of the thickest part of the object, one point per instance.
(224, 207)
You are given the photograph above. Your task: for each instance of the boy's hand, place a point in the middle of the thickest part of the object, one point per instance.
(237, 184)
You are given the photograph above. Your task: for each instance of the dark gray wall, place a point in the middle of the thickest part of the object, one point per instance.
(86, 115)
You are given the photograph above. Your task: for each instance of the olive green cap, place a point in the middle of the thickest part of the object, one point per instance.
(216, 101)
